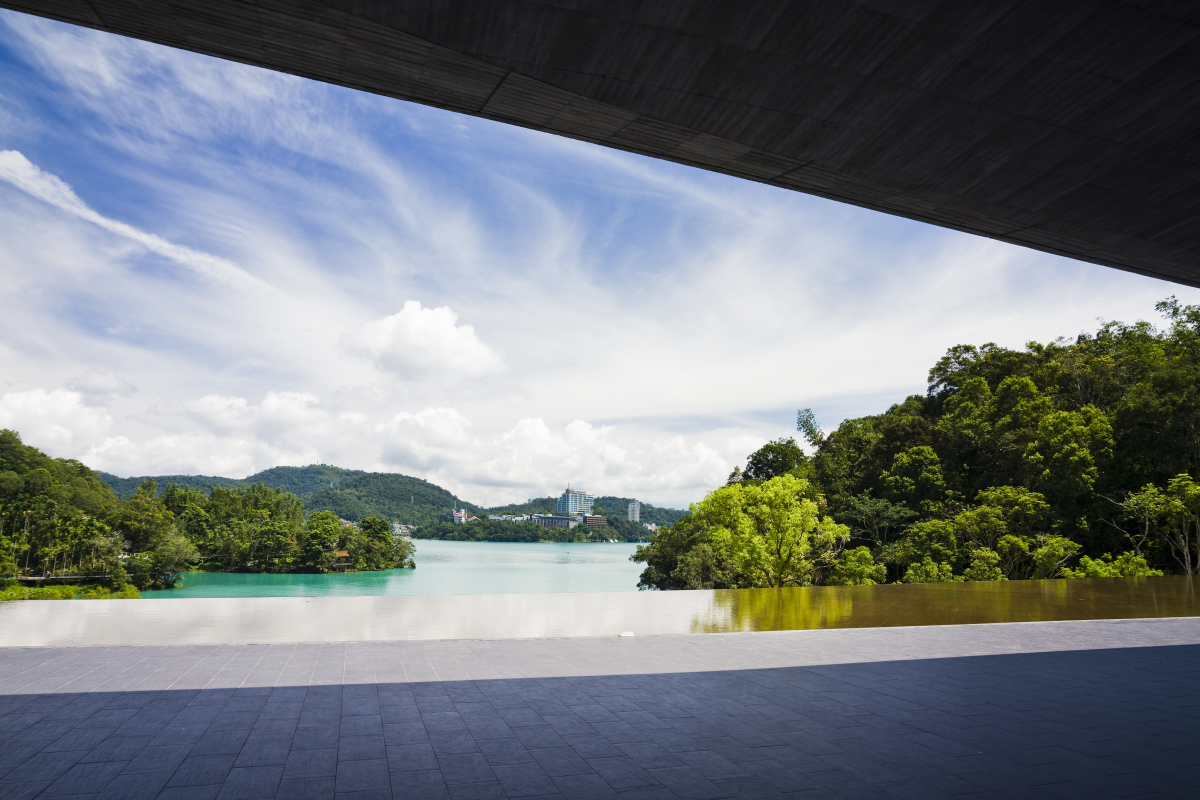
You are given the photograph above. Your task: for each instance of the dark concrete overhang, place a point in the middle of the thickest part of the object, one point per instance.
(1067, 126)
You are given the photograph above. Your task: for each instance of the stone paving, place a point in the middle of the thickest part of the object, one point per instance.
(1062, 709)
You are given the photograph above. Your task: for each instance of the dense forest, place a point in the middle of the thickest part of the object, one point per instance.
(355, 495)
(491, 530)
(1065, 460)
(350, 494)
(58, 518)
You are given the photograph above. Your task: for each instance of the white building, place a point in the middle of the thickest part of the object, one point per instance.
(635, 511)
(573, 501)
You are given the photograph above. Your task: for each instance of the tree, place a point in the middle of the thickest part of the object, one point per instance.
(780, 457)
(1183, 513)
(776, 534)
(915, 477)
(857, 567)
(1126, 565)
(930, 571)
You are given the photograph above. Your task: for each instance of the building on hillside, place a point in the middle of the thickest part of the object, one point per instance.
(555, 521)
(473, 518)
(346, 523)
(460, 517)
(650, 526)
(509, 517)
(595, 521)
(635, 511)
(573, 501)
(400, 529)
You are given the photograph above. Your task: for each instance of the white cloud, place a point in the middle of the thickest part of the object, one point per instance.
(635, 327)
(20, 172)
(58, 421)
(424, 342)
(98, 386)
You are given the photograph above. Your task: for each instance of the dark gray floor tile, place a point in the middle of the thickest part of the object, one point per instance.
(310, 764)
(263, 753)
(319, 738)
(306, 789)
(450, 742)
(135, 786)
(593, 746)
(465, 768)
(22, 790)
(362, 776)
(524, 780)
(43, 767)
(621, 773)
(411, 757)
(281, 710)
(585, 787)
(404, 733)
(180, 733)
(365, 725)
(80, 739)
(486, 790)
(251, 783)
(201, 771)
(209, 792)
(539, 736)
(157, 759)
(489, 729)
(505, 751)
(361, 748)
(219, 743)
(418, 785)
(559, 761)
(85, 779)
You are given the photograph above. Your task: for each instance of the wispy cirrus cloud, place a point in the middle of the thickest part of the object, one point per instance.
(357, 280)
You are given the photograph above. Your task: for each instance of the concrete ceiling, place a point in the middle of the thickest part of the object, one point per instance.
(1068, 126)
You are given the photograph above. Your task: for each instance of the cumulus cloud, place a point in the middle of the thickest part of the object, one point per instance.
(98, 386)
(422, 342)
(59, 420)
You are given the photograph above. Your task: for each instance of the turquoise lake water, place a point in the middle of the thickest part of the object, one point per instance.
(446, 568)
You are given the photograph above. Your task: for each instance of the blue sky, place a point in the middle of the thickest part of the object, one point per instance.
(211, 268)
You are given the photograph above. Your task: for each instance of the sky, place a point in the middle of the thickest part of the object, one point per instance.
(209, 268)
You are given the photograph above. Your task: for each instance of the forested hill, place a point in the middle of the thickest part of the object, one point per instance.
(605, 506)
(351, 494)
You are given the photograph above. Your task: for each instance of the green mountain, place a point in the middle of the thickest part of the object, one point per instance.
(354, 494)
(351, 494)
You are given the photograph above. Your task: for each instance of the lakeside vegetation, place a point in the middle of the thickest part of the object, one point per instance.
(58, 519)
(1071, 459)
(493, 530)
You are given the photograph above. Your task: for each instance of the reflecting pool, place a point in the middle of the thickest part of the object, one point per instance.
(239, 620)
(897, 605)
(444, 568)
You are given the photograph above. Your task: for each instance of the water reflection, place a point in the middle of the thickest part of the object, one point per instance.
(894, 605)
(238, 620)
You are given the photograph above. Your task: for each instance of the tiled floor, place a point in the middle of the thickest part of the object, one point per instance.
(1067, 709)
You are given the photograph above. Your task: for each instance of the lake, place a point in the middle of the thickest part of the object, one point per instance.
(445, 568)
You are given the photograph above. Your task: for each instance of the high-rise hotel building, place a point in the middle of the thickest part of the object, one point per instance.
(635, 511)
(573, 501)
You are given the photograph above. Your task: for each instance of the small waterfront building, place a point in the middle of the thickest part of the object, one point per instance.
(555, 520)
(573, 501)
(635, 511)
(595, 521)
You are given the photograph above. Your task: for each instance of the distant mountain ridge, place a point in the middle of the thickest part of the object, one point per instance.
(353, 494)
